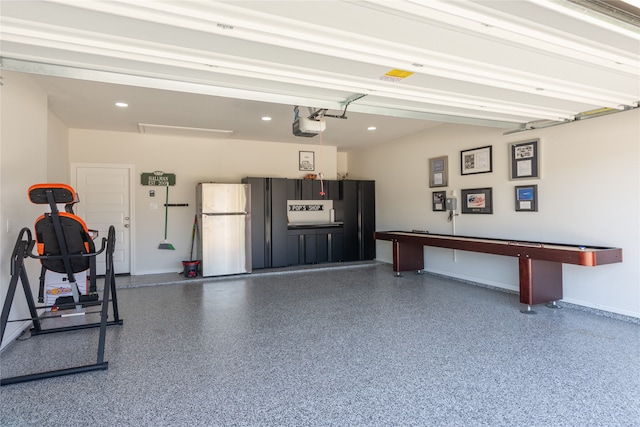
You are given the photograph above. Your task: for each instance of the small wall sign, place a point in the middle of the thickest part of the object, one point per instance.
(301, 208)
(158, 178)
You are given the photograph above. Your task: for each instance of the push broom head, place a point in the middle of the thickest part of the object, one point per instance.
(166, 245)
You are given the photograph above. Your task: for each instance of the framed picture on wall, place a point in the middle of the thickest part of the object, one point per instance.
(438, 199)
(477, 160)
(524, 160)
(306, 161)
(526, 198)
(477, 201)
(439, 171)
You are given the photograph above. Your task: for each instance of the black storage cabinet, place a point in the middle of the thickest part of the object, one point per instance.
(268, 222)
(273, 244)
(357, 210)
(316, 245)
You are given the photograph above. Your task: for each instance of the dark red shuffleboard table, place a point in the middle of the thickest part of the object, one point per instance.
(540, 264)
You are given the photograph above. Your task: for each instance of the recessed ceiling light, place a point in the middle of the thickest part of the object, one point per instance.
(266, 118)
(122, 104)
(371, 128)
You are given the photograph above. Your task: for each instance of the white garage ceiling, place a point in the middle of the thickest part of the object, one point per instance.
(401, 66)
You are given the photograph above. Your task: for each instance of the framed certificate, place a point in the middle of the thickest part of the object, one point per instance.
(477, 160)
(438, 199)
(527, 198)
(524, 160)
(439, 171)
(477, 201)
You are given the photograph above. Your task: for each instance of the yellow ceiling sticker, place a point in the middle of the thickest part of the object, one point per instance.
(396, 75)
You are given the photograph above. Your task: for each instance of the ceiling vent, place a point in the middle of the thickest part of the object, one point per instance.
(151, 129)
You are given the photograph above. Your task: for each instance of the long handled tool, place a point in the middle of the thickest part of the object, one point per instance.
(164, 244)
(193, 235)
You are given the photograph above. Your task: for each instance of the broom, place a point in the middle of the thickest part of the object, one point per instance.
(164, 244)
(193, 235)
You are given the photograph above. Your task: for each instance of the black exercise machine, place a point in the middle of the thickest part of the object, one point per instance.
(64, 245)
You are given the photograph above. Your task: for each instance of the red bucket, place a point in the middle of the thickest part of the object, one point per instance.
(191, 268)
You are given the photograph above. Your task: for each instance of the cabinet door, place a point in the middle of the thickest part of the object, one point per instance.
(337, 247)
(357, 212)
(279, 223)
(306, 189)
(367, 219)
(322, 246)
(348, 211)
(294, 249)
(332, 188)
(258, 237)
(294, 189)
(310, 250)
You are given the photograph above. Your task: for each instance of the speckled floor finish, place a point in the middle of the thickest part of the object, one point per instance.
(350, 346)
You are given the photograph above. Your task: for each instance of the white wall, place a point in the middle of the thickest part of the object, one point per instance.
(589, 194)
(57, 150)
(343, 164)
(23, 157)
(193, 160)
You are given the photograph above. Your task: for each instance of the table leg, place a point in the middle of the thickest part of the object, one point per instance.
(540, 281)
(407, 257)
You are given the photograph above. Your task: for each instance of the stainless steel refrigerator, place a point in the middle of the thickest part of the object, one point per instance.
(224, 228)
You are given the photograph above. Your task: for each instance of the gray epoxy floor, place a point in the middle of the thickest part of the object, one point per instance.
(332, 347)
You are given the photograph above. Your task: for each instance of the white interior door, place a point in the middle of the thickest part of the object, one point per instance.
(104, 193)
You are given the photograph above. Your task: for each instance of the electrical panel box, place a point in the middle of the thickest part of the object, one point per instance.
(451, 203)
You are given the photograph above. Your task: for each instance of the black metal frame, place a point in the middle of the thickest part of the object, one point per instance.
(488, 195)
(533, 201)
(23, 249)
(533, 159)
(434, 207)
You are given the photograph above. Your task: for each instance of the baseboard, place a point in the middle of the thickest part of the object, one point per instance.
(10, 338)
